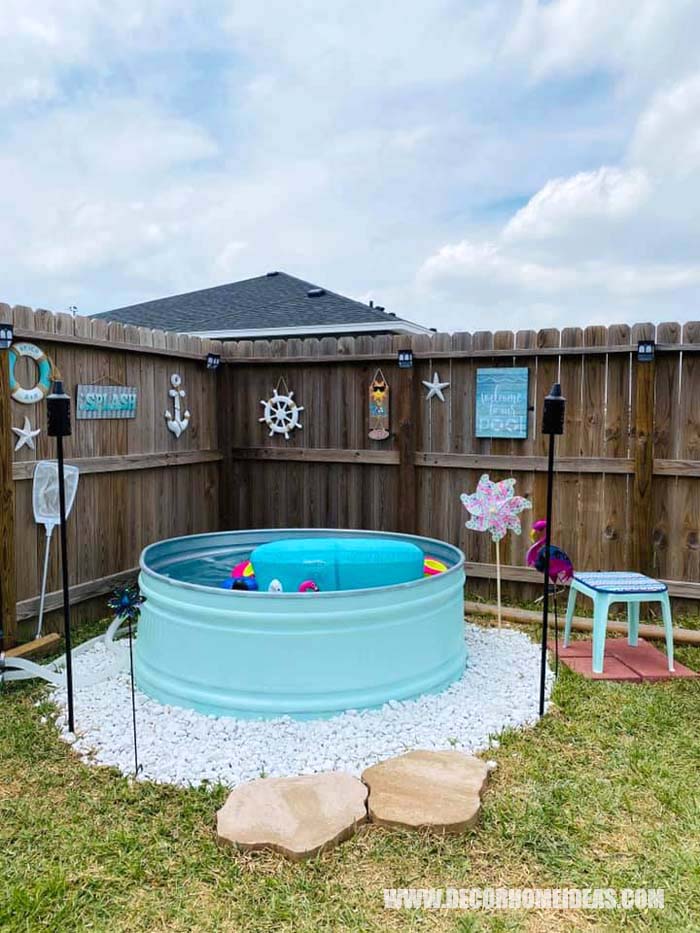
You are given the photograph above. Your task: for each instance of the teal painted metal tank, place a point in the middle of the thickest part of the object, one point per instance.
(305, 655)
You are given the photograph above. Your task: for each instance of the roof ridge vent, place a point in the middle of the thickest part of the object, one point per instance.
(315, 292)
(270, 274)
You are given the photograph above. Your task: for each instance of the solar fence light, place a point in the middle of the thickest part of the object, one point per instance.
(6, 336)
(646, 351)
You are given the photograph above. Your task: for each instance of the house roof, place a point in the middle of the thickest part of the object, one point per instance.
(268, 305)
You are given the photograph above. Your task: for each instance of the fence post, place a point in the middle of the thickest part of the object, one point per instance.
(407, 450)
(642, 503)
(7, 504)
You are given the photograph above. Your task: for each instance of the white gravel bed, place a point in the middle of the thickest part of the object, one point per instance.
(499, 690)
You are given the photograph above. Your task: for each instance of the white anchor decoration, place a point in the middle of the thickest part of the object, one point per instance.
(176, 423)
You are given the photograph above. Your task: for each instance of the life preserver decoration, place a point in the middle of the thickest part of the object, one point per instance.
(43, 386)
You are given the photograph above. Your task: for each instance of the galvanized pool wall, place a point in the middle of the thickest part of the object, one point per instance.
(253, 654)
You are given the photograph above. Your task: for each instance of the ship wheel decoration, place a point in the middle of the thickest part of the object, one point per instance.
(281, 412)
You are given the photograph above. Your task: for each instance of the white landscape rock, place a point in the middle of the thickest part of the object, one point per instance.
(498, 690)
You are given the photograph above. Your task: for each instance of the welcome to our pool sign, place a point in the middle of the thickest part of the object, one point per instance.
(106, 402)
(501, 402)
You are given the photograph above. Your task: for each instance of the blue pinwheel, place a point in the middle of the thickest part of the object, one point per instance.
(126, 601)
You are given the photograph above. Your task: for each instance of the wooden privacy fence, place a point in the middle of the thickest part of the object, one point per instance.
(627, 493)
(138, 483)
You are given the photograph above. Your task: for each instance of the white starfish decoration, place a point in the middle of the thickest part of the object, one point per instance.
(26, 435)
(435, 387)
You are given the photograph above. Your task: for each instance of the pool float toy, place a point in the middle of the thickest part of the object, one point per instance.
(239, 583)
(431, 566)
(308, 586)
(275, 587)
(244, 569)
(43, 386)
(244, 583)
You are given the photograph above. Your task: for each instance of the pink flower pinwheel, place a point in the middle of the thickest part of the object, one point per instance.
(494, 507)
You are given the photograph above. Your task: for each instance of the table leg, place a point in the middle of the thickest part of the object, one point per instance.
(633, 624)
(668, 628)
(601, 607)
(570, 606)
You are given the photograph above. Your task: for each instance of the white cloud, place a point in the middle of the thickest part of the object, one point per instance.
(667, 138)
(529, 159)
(619, 237)
(607, 194)
(45, 41)
(640, 40)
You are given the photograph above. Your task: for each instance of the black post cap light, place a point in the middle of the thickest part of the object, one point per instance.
(553, 411)
(6, 336)
(646, 351)
(58, 411)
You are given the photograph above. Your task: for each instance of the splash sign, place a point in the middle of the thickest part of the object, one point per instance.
(106, 402)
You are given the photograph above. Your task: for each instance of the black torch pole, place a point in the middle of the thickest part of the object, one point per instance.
(137, 766)
(547, 549)
(58, 406)
(552, 424)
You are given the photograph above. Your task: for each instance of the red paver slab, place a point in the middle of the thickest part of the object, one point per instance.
(623, 662)
(577, 649)
(621, 649)
(612, 669)
(650, 662)
(583, 647)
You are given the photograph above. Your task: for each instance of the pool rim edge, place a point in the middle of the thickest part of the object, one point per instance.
(458, 567)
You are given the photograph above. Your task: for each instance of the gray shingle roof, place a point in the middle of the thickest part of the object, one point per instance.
(275, 300)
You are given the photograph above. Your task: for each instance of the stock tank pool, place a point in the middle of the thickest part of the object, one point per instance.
(302, 654)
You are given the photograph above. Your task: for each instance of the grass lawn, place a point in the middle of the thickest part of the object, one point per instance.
(603, 793)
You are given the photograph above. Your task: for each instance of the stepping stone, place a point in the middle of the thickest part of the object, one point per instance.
(440, 791)
(297, 816)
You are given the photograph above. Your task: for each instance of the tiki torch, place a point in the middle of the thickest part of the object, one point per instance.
(58, 409)
(552, 424)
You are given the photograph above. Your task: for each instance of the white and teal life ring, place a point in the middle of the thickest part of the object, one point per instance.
(43, 386)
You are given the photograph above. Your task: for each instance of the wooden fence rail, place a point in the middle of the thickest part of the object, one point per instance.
(627, 493)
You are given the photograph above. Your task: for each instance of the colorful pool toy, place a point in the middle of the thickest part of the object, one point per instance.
(308, 586)
(239, 583)
(244, 569)
(431, 566)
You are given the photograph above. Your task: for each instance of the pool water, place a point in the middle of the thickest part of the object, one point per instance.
(207, 569)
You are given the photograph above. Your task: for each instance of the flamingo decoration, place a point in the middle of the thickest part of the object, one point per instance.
(561, 569)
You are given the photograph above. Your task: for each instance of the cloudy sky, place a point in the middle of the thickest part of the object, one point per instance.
(468, 164)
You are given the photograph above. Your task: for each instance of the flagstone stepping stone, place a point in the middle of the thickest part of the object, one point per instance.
(439, 791)
(297, 816)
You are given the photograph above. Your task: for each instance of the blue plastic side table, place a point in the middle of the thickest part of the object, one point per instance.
(614, 587)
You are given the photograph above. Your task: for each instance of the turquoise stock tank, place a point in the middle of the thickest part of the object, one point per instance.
(305, 655)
